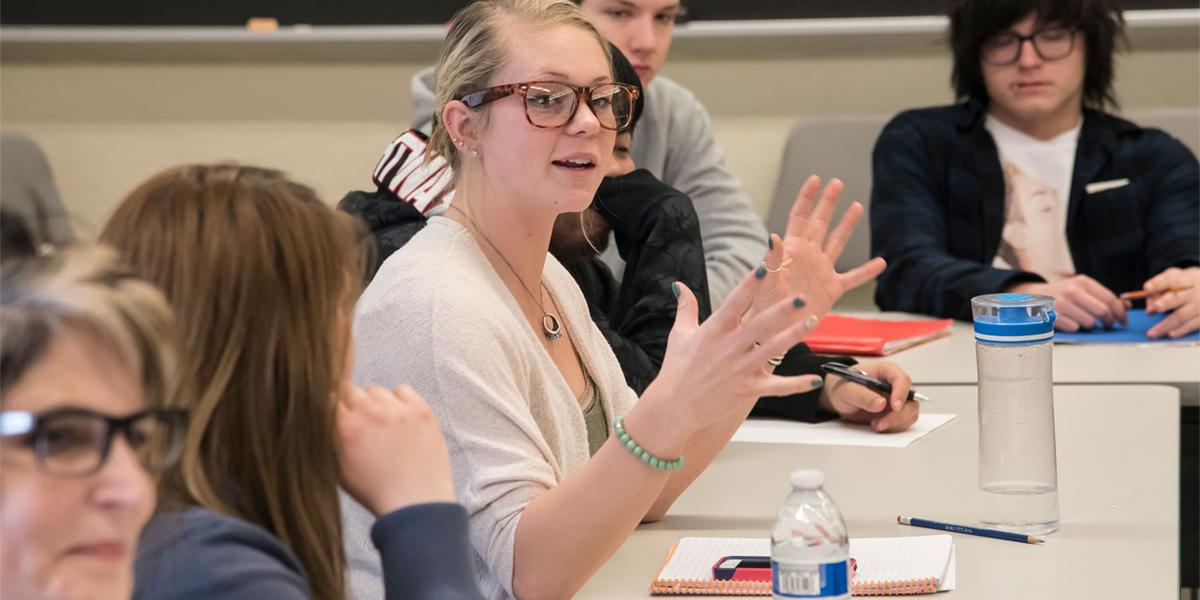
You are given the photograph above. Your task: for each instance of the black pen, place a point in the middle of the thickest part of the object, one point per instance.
(861, 378)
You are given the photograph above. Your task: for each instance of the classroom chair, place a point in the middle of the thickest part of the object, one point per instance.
(832, 147)
(27, 189)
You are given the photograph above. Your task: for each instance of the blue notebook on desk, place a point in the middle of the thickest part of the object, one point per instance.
(1134, 333)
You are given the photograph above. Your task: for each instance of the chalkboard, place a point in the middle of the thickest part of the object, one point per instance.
(114, 13)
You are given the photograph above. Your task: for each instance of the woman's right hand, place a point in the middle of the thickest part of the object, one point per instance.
(391, 451)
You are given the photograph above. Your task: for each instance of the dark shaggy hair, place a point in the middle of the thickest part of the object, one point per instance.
(973, 22)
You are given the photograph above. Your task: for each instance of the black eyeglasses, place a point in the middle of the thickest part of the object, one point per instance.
(551, 104)
(75, 442)
(1050, 44)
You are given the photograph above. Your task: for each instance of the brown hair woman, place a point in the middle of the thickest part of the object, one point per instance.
(263, 277)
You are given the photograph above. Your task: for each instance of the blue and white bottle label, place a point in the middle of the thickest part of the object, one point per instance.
(807, 580)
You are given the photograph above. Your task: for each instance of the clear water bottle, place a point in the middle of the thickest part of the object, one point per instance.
(1018, 474)
(810, 550)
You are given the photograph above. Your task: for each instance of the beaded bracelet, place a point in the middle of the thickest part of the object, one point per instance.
(638, 451)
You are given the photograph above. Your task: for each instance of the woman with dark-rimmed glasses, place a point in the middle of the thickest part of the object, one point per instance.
(86, 373)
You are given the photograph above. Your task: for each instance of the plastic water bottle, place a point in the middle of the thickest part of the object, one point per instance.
(810, 550)
(1018, 474)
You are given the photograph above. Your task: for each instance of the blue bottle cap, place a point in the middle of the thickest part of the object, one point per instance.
(1013, 318)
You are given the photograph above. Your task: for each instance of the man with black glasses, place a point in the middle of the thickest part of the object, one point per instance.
(1028, 186)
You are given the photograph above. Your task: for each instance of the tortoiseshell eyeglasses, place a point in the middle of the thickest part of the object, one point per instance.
(550, 104)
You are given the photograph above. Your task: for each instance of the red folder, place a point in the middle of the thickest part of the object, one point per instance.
(872, 337)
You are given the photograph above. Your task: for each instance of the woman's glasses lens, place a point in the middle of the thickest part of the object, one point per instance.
(550, 104)
(157, 440)
(613, 105)
(72, 444)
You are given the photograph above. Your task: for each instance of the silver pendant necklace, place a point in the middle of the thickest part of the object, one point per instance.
(551, 326)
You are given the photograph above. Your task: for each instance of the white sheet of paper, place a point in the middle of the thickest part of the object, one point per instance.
(835, 432)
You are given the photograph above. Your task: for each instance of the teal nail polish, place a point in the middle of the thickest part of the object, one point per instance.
(761, 272)
(798, 303)
(770, 242)
(818, 384)
(675, 289)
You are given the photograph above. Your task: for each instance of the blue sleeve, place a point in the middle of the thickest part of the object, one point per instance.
(909, 230)
(426, 553)
(1175, 210)
(210, 556)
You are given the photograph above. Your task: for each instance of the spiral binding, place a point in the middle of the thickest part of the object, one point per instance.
(715, 587)
(899, 587)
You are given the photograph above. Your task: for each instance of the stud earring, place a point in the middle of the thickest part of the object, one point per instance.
(474, 153)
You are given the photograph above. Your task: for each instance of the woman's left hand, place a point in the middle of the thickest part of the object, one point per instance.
(858, 404)
(802, 262)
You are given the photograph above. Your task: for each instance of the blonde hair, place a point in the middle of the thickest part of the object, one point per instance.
(262, 273)
(476, 48)
(85, 290)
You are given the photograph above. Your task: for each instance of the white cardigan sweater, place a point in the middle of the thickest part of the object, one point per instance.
(438, 317)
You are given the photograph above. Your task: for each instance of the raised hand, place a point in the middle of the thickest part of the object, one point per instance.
(391, 451)
(801, 263)
(720, 367)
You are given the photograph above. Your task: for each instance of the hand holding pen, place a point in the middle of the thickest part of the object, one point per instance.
(1175, 291)
(875, 393)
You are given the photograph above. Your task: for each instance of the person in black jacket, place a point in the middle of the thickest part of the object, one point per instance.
(1028, 186)
(658, 236)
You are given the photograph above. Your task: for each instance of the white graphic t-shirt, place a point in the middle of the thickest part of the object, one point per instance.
(1037, 188)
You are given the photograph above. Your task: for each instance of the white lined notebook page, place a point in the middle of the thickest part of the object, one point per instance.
(695, 556)
(905, 558)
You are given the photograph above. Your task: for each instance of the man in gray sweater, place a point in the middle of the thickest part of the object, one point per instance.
(673, 140)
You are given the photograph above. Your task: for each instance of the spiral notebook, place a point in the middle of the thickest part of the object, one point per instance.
(886, 566)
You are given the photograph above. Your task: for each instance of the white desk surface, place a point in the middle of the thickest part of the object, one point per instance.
(951, 361)
(1118, 494)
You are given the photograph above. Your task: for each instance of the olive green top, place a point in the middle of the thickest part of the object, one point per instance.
(594, 418)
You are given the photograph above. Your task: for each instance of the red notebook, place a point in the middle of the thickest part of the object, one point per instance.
(872, 337)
